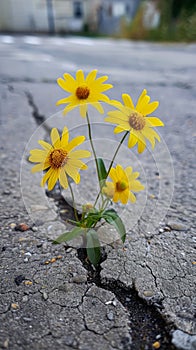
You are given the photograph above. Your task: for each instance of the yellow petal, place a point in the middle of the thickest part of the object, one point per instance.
(128, 101)
(91, 76)
(124, 196)
(55, 138)
(132, 197)
(61, 82)
(116, 197)
(128, 171)
(79, 154)
(144, 92)
(38, 155)
(63, 101)
(153, 121)
(69, 80)
(76, 163)
(40, 167)
(109, 189)
(149, 136)
(83, 109)
(65, 137)
(133, 139)
(80, 77)
(53, 179)
(149, 108)
(45, 145)
(118, 129)
(113, 175)
(75, 142)
(46, 177)
(136, 186)
(153, 133)
(118, 115)
(68, 109)
(120, 172)
(102, 79)
(98, 106)
(63, 179)
(72, 172)
(141, 144)
(105, 87)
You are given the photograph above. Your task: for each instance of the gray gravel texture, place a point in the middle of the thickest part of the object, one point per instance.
(47, 301)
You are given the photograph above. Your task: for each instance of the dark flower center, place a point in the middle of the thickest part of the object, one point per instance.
(58, 158)
(121, 186)
(82, 92)
(137, 121)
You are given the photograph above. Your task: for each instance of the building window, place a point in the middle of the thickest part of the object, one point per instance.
(78, 11)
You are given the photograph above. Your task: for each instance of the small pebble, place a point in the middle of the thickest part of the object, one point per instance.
(6, 343)
(69, 250)
(15, 306)
(156, 345)
(148, 293)
(161, 230)
(34, 229)
(176, 226)
(79, 279)
(25, 298)
(22, 227)
(110, 316)
(44, 246)
(114, 302)
(158, 336)
(26, 260)
(28, 254)
(28, 283)
(45, 296)
(12, 225)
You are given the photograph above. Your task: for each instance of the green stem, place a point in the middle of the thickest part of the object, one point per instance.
(73, 201)
(92, 146)
(112, 162)
(115, 154)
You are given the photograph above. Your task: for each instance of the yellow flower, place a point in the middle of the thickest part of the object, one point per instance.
(59, 158)
(83, 91)
(135, 120)
(124, 182)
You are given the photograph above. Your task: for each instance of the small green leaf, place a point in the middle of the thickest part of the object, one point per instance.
(93, 247)
(102, 173)
(111, 212)
(112, 218)
(68, 236)
(92, 218)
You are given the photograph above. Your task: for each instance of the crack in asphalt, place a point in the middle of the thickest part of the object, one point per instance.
(40, 119)
(137, 308)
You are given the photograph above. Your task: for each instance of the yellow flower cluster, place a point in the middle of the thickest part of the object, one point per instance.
(60, 159)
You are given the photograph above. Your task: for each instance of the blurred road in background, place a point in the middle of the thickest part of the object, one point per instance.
(158, 260)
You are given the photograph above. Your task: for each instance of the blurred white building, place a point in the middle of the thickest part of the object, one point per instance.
(64, 15)
(46, 15)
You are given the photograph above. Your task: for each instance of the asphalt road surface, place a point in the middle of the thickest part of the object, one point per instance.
(142, 296)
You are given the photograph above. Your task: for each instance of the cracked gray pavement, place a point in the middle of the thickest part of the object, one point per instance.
(55, 305)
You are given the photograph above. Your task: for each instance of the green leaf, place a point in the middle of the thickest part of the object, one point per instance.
(102, 173)
(112, 218)
(68, 236)
(93, 247)
(92, 218)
